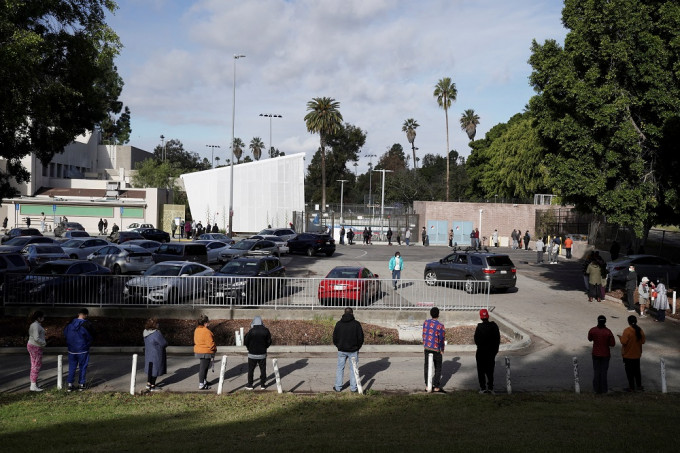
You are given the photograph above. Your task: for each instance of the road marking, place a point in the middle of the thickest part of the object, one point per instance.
(363, 254)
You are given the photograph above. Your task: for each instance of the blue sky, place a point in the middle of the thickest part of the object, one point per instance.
(379, 58)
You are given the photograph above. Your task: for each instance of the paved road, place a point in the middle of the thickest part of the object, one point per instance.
(549, 303)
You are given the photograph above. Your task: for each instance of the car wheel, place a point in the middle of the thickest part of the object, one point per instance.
(310, 251)
(329, 253)
(117, 270)
(469, 285)
(430, 278)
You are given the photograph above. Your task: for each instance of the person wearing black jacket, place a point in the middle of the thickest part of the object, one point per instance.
(348, 337)
(257, 340)
(487, 339)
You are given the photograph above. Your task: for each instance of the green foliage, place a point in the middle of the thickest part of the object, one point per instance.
(256, 146)
(57, 78)
(180, 159)
(393, 159)
(238, 149)
(445, 92)
(468, 122)
(116, 131)
(410, 126)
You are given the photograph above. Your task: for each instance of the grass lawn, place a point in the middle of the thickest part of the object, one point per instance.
(460, 421)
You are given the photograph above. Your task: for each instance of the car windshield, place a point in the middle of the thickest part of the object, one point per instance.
(499, 260)
(343, 273)
(244, 245)
(71, 243)
(18, 241)
(240, 268)
(266, 232)
(167, 270)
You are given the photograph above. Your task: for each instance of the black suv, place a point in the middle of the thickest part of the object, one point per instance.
(16, 232)
(472, 267)
(249, 280)
(312, 243)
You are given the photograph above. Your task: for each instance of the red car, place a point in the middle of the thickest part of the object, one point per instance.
(349, 284)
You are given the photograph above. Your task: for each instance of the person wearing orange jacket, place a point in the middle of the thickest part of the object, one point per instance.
(631, 349)
(567, 246)
(204, 349)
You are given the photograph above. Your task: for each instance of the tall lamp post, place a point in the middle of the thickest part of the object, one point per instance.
(231, 177)
(163, 147)
(370, 180)
(212, 154)
(270, 116)
(382, 203)
(480, 227)
(342, 192)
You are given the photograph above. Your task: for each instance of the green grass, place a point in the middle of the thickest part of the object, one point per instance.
(460, 421)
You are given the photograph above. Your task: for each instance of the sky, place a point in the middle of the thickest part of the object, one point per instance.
(380, 59)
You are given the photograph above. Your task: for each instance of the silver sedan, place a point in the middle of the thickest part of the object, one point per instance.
(123, 259)
(167, 282)
(214, 248)
(80, 248)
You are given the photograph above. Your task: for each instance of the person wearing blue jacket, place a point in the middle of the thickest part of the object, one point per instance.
(155, 354)
(396, 266)
(78, 334)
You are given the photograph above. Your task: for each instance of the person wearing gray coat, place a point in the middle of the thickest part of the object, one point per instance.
(155, 355)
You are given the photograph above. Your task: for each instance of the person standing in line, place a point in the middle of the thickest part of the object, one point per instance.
(602, 339)
(644, 292)
(28, 222)
(407, 237)
(488, 340)
(370, 235)
(173, 227)
(181, 229)
(204, 350)
(423, 235)
(478, 244)
(114, 228)
(568, 243)
(396, 265)
(155, 354)
(350, 236)
(398, 237)
(661, 301)
(539, 250)
(527, 238)
(106, 226)
(342, 235)
(78, 334)
(100, 225)
(257, 341)
(631, 349)
(594, 272)
(434, 342)
(389, 236)
(556, 243)
(451, 238)
(365, 235)
(348, 337)
(215, 229)
(187, 229)
(494, 238)
(515, 241)
(42, 222)
(35, 346)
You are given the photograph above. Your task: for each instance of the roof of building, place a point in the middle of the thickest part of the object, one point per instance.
(89, 193)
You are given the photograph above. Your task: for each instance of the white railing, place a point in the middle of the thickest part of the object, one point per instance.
(274, 292)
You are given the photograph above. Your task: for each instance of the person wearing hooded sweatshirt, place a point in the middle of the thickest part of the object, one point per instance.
(257, 340)
(631, 349)
(348, 337)
(488, 340)
(78, 334)
(603, 340)
(155, 355)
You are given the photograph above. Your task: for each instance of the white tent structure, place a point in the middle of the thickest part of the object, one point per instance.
(266, 192)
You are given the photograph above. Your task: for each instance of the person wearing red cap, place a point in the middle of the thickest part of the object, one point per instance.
(488, 340)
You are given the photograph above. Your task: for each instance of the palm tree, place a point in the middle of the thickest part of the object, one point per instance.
(468, 122)
(256, 147)
(217, 161)
(323, 117)
(445, 92)
(238, 149)
(410, 126)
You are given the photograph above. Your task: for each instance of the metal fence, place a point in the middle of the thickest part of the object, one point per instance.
(276, 293)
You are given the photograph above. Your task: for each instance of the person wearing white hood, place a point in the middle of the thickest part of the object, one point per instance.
(257, 340)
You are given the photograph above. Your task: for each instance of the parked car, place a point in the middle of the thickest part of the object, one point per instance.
(75, 234)
(13, 267)
(280, 243)
(495, 268)
(15, 232)
(214, 248)
(168, 281)
(283, 233)
(123, 259)
(247, 280)
(18, 243)
(63, 227)
(312, 243)
(186, 251)
(217, 237)
(37, 254)
(120, 237)
(80, 248)
(247, 247)
(151, 246)
(134, 226)
(650, 266)
(68, 280)
(153, 234)
(349, 284)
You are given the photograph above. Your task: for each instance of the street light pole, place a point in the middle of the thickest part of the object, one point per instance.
(382, 203)
(212, 154)
(270, 116)
(370, 180)
(163, 147)
(231, 177)
(342, 192)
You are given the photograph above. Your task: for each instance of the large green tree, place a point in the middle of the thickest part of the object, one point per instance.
(445, 92)
(606, 103)
(238, 149)
(468, 122)
(184, 161)
(116, 131)
(323, 117)
(57, 78)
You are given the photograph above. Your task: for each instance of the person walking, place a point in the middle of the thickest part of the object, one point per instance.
(644, 292)
(389, 236)
(488, 340)
(342, 235)
(661, 301)
(556, 243)
(478, 244)
(631, 349)
(602, 339)
(257, 341)
(407, 237)
(155, 354)
(527, 238)
(631, 288)
(348, 337)
(106, 226)
(540, 246)
(79, 336)
(568, 243)
(451, 238)
(43, 222)
(181, 229)
(396, 265)
(173, 227)
(434, 342)
(204, 350)
(494, 238)
(594, 272)
(35, 346)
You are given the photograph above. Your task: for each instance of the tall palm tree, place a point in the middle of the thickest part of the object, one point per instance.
(323, 117)
(468, 122)
(238, 149)
(445, 92)
(410, 126)
(256, 147)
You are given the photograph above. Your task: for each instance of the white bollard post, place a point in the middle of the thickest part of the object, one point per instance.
(508, 384)
(242, 336)
(674, 300)
(430, 372)
(60, 372)
(664, 389)
(278, 376)
(133, 374)
(237, 338)
(577, 385)
(223, 369)
(355, 370)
